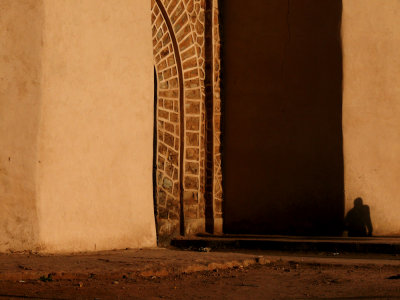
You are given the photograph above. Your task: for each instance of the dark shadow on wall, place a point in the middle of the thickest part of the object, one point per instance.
(282, 126)
(358, 220)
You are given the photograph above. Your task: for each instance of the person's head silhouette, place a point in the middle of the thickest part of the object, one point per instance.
(358, 202)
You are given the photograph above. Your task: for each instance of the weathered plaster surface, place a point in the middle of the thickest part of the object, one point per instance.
(76, 125)
(371, 108)
(20, 73)
(97, 126)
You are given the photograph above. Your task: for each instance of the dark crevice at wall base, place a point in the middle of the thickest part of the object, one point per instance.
(282, 94)
(283, 244)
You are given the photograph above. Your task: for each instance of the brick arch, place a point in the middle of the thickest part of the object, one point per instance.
(178, 48)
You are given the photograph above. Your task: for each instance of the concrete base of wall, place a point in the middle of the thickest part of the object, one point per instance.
(289, 243)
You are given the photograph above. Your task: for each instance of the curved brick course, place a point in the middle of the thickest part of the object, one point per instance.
(180, 155)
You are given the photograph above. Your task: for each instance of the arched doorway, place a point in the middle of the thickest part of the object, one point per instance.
(178, 51)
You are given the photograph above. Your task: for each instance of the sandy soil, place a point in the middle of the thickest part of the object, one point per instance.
(277, 280)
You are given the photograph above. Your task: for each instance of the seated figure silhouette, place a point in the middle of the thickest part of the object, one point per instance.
(358, 220)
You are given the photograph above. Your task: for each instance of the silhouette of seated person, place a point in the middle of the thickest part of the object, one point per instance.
(358, 220)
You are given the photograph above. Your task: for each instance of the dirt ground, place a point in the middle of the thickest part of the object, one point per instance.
(282, 279)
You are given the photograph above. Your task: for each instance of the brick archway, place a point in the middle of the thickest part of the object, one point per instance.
(178, 48)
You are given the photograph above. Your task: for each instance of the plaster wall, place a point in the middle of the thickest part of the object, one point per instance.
(20, 75)
(96, 131)
(371, 109)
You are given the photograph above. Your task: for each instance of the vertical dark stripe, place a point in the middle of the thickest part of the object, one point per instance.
(209, 104)
(155, 152)
(182, 112)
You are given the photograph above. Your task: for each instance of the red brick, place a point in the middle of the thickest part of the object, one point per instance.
(192, 168)
(192, 123)
(192, 153)
(169, 139)
(192, 139)
(163, 114)
(192, 107)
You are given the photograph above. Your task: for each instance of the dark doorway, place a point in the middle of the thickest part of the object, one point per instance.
(282, 94)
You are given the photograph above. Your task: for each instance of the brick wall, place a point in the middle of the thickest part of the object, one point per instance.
(179, 59)
(216, 73)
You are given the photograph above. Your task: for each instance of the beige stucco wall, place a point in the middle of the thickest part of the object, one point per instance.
(20, 73)
(90, 119)
(371, 108)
